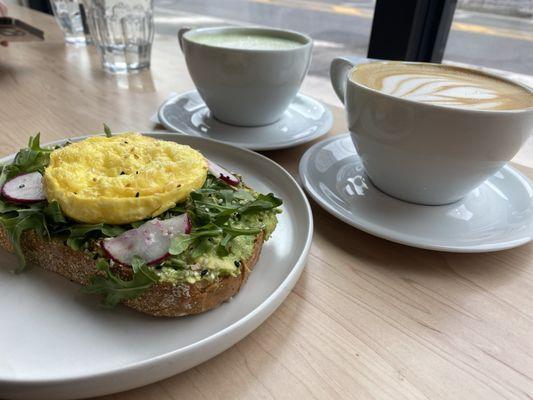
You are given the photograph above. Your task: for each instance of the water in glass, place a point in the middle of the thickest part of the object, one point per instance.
(123, 32)
(69, 17)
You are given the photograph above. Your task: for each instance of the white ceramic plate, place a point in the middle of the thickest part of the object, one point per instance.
(57, 343)
(497, 215)
(304, 120)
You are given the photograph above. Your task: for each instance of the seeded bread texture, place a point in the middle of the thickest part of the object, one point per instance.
(162, 299)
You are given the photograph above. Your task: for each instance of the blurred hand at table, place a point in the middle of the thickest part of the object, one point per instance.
(3, 13)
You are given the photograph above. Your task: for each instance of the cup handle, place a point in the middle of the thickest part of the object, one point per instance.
(338, 72)
(182, 32)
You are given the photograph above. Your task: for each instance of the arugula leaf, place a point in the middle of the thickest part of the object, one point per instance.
(241, 194)
(261, 203)
(7, 207)
(79, 233)
(201, 247)
(53, 213)
(107, 131)
(181, 242)
(223, 246)
(216, 205)
(138, 265)
(34, 143)
(31, 159)
(231, 233)
(115, 289)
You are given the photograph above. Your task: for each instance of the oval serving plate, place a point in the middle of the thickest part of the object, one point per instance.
(56, 342)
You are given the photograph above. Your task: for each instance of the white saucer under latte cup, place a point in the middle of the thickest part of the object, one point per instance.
(247, 76)
(431, 133)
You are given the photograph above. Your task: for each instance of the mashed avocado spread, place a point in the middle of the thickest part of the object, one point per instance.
(210, 265)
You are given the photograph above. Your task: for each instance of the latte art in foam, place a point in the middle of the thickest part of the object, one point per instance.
(443, 85)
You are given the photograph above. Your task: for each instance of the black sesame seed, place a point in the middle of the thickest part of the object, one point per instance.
(136, 172)
(122, 173)
(137, 194)
(237, 263)
(203, 273)
(22, 186)
(125, 142)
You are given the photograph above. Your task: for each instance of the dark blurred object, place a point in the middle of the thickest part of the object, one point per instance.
(411, 30)
(14, 30)
(40, 5)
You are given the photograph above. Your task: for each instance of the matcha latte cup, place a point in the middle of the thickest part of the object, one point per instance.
(247, 76)
(431, 133)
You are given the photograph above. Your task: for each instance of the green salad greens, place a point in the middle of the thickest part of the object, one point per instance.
(225, 223)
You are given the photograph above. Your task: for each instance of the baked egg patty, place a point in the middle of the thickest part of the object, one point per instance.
(123, 178)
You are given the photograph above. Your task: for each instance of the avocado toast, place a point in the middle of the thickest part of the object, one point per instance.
(172, 237)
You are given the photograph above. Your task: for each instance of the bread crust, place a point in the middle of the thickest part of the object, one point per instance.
(162, 299)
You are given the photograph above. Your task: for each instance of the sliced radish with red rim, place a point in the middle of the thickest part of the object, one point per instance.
(24, 188)
(222, 174)
(150, 241)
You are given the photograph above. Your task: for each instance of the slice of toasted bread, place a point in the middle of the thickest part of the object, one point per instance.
(162, 299)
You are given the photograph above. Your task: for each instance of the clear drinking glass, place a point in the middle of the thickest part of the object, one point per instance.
(70, 18)
(123, 32)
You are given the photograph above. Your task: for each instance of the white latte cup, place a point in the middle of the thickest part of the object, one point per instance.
(426, 149)
(242, 85)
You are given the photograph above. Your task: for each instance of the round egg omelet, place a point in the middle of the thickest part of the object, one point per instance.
(123, 178)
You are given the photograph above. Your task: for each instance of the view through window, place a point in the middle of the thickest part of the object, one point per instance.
(489, 33)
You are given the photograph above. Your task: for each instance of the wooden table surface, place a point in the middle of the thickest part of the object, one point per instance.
(368, 318)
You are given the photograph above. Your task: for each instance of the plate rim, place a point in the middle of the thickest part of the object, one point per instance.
(260, 312)
(328, 123)
(388, 234)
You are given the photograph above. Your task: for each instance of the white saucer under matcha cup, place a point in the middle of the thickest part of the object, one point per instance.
(423, 151)
(246, 83)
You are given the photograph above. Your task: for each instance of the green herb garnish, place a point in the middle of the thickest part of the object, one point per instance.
(31, 159)
(115, 289)
(215, 209)
(107, 131)
(78, 233)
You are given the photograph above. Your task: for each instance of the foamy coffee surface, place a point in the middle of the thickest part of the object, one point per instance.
(442, 85)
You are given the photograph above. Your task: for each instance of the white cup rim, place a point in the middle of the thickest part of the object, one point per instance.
(441, 106)
(304, 39)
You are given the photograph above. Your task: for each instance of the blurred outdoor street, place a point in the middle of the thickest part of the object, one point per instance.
(343, 27)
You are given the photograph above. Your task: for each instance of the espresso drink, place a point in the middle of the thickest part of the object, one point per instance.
(442, 85)
(246, 41)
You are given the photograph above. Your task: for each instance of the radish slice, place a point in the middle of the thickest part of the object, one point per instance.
(150, 241)
(24, 188)
(222, 174)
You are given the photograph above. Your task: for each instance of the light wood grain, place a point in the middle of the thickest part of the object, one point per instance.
(368, 319)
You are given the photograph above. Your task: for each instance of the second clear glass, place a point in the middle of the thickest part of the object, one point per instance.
(123, 32)
(69, 16)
